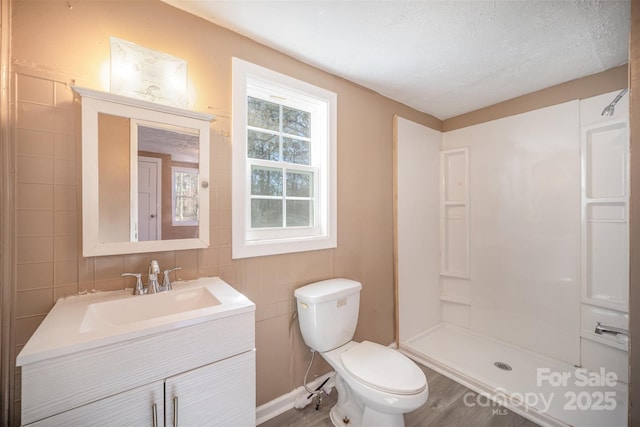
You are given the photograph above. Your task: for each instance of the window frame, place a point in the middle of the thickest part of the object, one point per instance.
(183, 223)
(256, 81)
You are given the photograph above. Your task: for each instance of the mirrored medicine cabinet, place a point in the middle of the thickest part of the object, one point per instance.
(145, 176)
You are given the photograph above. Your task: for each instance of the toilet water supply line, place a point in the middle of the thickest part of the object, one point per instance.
(303, 401)
(306, 374)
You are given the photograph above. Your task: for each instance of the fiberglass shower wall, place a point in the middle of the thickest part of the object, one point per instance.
(523, 283)
(518, 229)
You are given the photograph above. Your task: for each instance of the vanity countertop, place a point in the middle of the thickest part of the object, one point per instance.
(84, 322)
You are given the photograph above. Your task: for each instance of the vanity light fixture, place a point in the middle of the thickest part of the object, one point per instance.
(142, 73)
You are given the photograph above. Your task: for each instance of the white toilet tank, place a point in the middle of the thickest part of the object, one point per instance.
(328, 312)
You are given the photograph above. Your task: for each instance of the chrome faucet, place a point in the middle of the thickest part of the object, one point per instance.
(603, 329)
(154, 270)
(152, 287)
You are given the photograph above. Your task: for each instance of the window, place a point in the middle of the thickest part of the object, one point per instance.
(185, 196)
(284, 167)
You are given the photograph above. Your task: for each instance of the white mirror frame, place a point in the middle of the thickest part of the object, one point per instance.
(95, 102)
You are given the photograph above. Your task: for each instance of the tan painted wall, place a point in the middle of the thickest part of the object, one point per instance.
(55, 44)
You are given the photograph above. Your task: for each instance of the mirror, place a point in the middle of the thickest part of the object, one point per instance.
(159, 164)
(145, 175)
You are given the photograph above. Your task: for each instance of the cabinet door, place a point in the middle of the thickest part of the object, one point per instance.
(219, 394)
(131, 408)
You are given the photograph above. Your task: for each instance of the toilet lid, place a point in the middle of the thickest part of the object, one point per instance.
(384, 369)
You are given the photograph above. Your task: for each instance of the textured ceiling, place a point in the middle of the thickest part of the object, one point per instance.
(444, 58)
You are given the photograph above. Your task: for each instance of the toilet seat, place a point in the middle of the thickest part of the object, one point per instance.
(384, 369)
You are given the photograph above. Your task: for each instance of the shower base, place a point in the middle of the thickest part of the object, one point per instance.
(544, 390)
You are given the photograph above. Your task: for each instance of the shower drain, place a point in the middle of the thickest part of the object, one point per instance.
(503, 366)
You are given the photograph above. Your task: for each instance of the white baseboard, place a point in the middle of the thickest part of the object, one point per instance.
(285, 402)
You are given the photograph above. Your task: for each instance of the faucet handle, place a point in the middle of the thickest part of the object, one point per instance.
(166, 282)
(139, 289)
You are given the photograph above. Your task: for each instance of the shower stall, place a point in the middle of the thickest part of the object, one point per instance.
(512, 258)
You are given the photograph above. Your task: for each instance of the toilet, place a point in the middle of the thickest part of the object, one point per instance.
(376, 385)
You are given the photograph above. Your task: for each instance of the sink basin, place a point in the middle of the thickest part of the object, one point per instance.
(142, 308)
(84, 322)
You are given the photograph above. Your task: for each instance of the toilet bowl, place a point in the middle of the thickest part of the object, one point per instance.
(376, 385)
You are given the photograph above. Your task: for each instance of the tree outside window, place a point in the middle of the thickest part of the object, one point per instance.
(185, 196)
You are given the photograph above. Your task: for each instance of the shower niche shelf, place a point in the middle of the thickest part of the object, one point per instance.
(455, 299)
(455, 290)
(604, 156)
(454, 213)
(605, 214)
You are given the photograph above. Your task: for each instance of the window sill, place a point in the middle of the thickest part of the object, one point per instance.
(248, 249)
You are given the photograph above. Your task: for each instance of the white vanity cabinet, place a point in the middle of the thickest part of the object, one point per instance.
(131, 408)
(192, 368)
(216, 394)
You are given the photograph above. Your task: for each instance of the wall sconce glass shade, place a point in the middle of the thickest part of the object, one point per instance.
(146, 74)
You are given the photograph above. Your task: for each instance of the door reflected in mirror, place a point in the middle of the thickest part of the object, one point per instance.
(148, 177)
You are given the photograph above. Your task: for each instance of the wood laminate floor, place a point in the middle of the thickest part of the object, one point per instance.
(449, 405)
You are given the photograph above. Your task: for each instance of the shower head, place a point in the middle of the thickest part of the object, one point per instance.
(609, 109)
